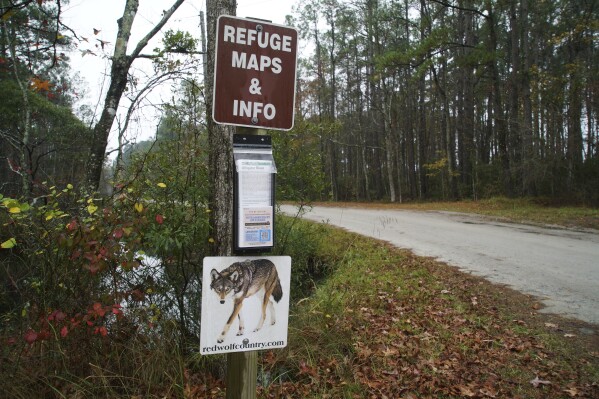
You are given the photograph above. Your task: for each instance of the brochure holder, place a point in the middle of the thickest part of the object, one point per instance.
(254, 194)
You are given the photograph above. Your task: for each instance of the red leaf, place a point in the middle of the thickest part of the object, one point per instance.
(72, 225)
(101, 330)
(57, 315)
(99, 310)
(159, 219)
(60, 316)
(30, 337)
(118, 233)
(64, 331)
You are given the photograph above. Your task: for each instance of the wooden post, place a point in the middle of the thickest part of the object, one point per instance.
(242, 373)
(242, 367)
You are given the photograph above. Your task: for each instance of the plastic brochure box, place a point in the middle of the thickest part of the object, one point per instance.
(254, 194)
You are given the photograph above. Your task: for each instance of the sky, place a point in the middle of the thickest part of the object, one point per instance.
(96, 22)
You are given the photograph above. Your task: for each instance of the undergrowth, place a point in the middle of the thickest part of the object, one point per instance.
(366, 321)
(386, 323)
(520, 210)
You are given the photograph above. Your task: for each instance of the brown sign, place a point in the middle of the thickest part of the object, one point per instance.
(255, 73)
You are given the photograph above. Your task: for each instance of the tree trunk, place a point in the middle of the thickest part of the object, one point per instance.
(23, 148)
(501, 132)
(528, 186)
(220, 142)
(121, 62)
(514, 140)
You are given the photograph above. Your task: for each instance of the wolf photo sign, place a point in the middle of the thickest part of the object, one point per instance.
(245, 303)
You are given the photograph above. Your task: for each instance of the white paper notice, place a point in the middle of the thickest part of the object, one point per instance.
(255, 203)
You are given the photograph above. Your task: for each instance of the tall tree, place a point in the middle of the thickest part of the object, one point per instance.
(36, 117)
(220, 139)
(119, 70)
(495, 95)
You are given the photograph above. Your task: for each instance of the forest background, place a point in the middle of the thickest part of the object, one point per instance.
(398, 101)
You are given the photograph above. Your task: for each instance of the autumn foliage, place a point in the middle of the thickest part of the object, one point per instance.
(74, 295)
(367, 320)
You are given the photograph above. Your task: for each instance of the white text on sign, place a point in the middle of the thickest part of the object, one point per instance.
(246, 37)
(253, 109)
(241, 60)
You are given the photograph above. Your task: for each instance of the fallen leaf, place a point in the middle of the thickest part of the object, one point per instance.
(536, 382)
(572, 391)
(467, 391)
(489, 392)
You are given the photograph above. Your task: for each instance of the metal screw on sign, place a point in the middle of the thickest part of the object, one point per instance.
(255, 120)
(259, 28)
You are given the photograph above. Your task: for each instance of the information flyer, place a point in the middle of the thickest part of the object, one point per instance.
(256, 213)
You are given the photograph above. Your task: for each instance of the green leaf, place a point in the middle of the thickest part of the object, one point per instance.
(11, 242)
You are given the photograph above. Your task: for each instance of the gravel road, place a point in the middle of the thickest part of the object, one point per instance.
(560, 266)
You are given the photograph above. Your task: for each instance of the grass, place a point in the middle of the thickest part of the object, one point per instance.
(367, 321)
(386, 323)
(521, 210)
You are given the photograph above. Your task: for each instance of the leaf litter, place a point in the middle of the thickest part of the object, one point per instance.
(443, 334)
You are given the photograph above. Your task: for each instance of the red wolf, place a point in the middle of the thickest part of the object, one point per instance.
(245, 279)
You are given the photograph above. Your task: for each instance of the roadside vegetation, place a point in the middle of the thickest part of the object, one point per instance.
(96, 317)
(380, 322)
(521, 210)
(388, 324)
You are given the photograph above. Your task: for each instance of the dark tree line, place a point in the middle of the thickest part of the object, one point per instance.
(448, 99)
(40, 138)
